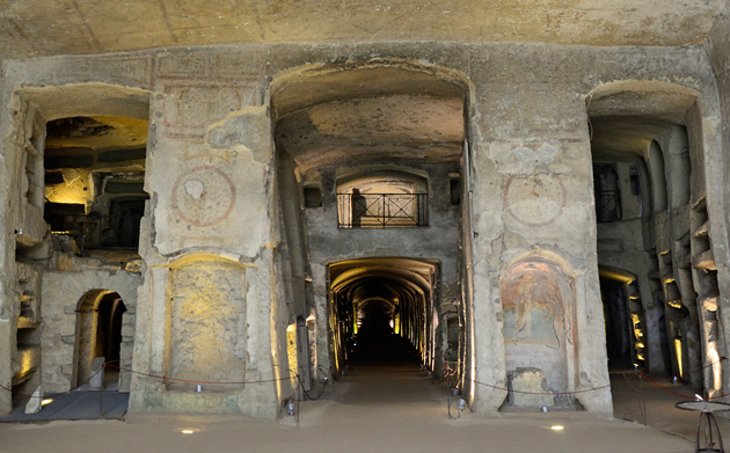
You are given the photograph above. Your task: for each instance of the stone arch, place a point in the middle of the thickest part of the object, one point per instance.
(660, 126)
(99, 315)
(335, 119)
(537, 295)
(92, 98)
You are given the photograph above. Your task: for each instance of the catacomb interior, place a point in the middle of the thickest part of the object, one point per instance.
(659, 281)
(216, 224)
(361, 244)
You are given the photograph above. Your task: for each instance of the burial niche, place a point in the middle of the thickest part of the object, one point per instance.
(537, 332)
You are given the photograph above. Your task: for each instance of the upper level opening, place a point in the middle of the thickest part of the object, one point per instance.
(94, 179)
(85, 164)
(382, 200)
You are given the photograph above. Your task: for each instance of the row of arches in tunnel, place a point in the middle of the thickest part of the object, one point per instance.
(658, 275)
(383, 310)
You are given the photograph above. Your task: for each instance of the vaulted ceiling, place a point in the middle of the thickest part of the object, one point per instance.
(52, 27)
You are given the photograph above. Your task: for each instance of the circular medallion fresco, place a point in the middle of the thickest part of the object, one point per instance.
(535, 200)
(203, 196)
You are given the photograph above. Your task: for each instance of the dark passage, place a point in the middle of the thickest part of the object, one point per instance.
(376, 342)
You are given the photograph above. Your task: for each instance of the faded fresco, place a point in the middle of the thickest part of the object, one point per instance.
(537, 331)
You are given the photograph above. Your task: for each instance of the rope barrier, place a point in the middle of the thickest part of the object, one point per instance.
(206, 382)
(153, 376)
(24, 395)
(722, 359)
(524, 392)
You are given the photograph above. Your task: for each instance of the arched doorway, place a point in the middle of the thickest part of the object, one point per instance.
(381, 311)
(371, 167)
(98, 334)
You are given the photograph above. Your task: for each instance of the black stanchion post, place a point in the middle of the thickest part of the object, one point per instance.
(299, 398)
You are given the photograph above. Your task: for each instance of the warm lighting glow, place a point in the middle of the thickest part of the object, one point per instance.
(557, 427)
(291, 350)
(46, 401)
(678, 354)
(675, 304)
(77, 188)
(715, 364)
(187, 431)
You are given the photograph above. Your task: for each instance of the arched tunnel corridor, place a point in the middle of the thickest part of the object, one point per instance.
(382, 311)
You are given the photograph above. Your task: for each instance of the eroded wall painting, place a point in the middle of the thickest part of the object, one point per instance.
(537, 332)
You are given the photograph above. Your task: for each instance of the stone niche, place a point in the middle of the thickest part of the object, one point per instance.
(538, 332)
(206, 324)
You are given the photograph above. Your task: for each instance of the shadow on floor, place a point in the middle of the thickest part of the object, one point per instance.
(651, 401)
(77, 405)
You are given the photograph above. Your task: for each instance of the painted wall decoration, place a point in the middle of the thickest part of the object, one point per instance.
(536, 298)
(203, 196)
(535, 200)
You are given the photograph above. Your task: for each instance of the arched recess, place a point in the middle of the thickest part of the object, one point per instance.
(334, 122)
(651, 132)
(98, 334)
(53, 169)
(538, 299)
(206, 333)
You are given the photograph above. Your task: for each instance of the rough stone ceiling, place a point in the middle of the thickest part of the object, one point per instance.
(626, 118)
(51, 27)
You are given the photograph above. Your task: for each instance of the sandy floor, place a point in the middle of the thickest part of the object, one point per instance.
(372, 410)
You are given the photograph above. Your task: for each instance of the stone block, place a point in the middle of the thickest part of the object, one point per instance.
(128, 330)
(528, 389)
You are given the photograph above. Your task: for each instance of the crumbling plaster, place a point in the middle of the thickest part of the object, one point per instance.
(526, 103)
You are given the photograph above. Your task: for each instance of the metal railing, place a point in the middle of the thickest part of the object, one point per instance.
(382, 210)
(608, 205)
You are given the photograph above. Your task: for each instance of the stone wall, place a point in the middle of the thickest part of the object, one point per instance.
(717, 167)
(63, 290)
(210, 180)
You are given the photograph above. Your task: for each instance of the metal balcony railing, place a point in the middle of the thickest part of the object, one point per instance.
(382, 210)
(608, 205)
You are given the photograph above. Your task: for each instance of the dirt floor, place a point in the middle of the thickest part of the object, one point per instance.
(373, 409)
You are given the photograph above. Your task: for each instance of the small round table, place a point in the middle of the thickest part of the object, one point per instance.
(709, 438)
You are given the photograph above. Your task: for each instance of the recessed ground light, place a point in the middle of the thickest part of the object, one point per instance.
(187, 431)
(46, 401)
(557, 427)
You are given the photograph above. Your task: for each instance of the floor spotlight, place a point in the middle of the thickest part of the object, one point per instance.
(461, 404)
(291, 408)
